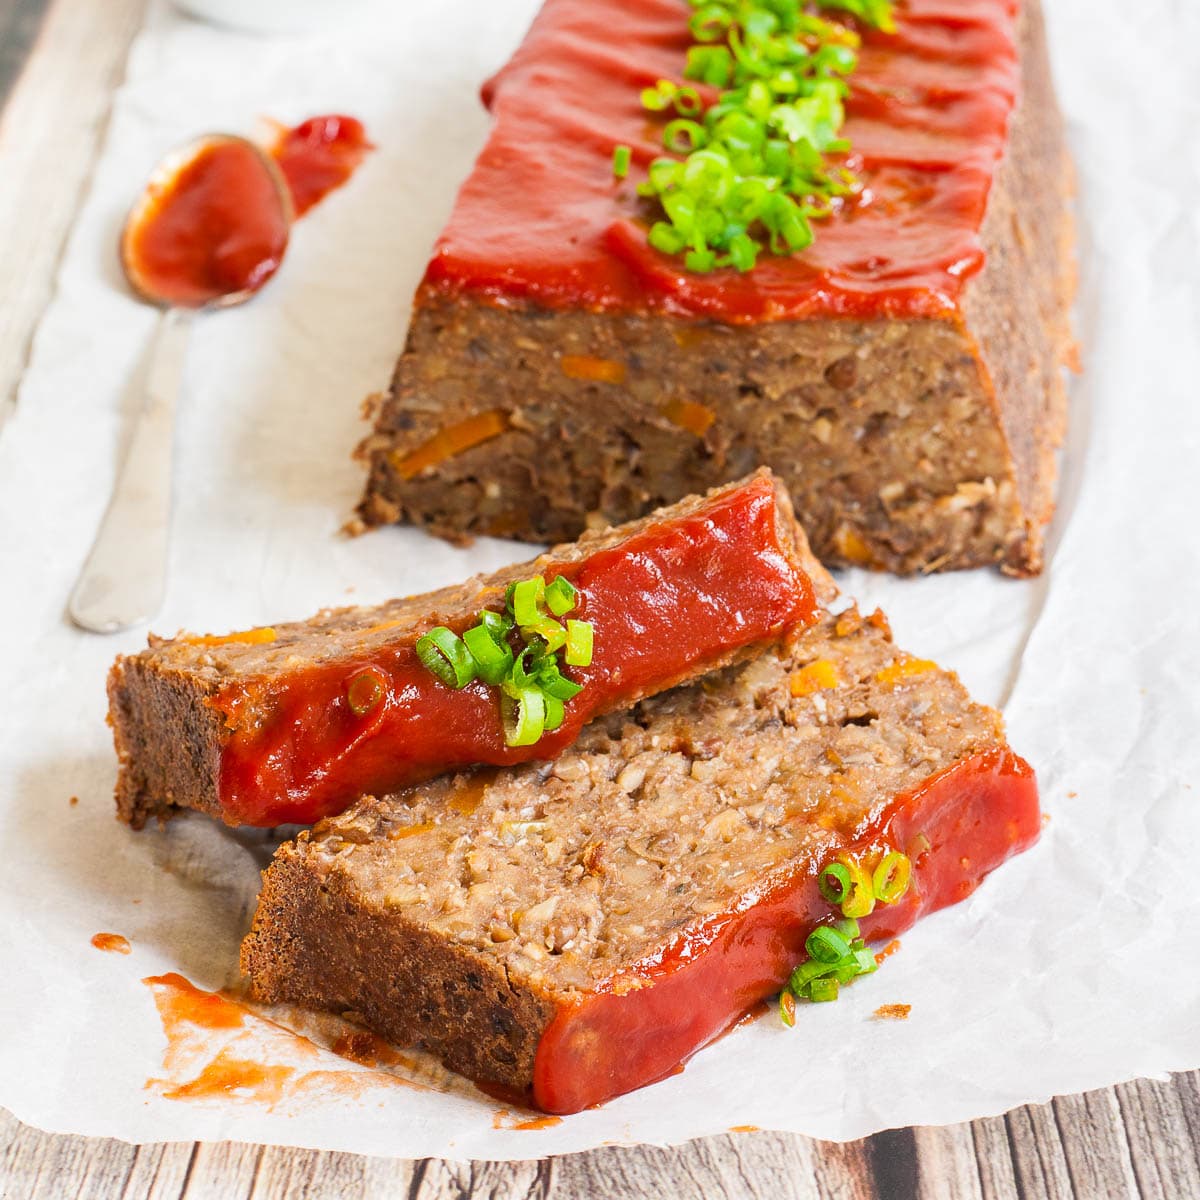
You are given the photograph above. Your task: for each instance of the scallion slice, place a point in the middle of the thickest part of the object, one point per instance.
(499, 625)
(524, 717)
(550, 631)
(787, 1008)
(821, 990)
(554, 712)
(826, 945)
(621, 157)
(579, 644)
(891, 877)
(834, 882)
(557, 685)
(560, 596)
(860, 900)
(446, 655)
(528, 595)
(493, 659)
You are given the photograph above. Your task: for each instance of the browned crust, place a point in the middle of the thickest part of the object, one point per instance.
(168, 741)
(314, 944)
(169, 737)
(828, 404)
(1018, 307)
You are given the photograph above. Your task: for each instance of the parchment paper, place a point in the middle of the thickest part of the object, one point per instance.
(1073, 967)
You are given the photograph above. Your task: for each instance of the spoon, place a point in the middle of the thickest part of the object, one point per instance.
(208, 231)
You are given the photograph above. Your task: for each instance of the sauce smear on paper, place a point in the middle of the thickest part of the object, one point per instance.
(113, 943)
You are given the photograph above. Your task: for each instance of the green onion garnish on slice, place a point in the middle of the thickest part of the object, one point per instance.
(787, 1008)
(860, 900)
(579, 644)
(890, 880)
(560, 596)
(554, 712)
(549, 630)
(524, 717)
(557, 685)
(834, 882)
(826, 945)
(365, 691)
(499, 625)
(493, 659)
(516, 651)
(446, 655)
(621, 157)
(528, 595)
(822, 990)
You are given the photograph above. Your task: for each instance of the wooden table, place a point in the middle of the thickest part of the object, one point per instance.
(60, 61)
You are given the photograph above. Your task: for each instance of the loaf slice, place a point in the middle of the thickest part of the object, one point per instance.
(903, 375)
(572, 930)
(264, 727)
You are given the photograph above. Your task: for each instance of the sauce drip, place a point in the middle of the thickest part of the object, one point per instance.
(541, 218)
(113, 943)
(219, 224)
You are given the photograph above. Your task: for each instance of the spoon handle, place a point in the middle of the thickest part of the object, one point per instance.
(124, 579)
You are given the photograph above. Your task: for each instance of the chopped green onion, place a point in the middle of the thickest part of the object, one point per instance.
(557, 685)
(524, 717)
(804, 974)
(758, 165)
(621, 157)
(866, 960)
(493, 659)
(365, 691)
(446, 655)
(499, 625)
(787, 1008)
(549, 630)
(860, 900)
(554, 712)
(579, 644)
(890, 880)
(826, 945)
(834, 882)
(528, 596)
(821, 990)
(560, 595)
(848, 928)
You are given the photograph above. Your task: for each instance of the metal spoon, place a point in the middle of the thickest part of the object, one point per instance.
(124, 578)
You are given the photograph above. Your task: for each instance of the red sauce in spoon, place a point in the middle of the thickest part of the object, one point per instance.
(219, 224)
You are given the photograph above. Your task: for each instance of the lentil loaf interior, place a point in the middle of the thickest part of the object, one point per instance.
(908, 444)
(463, 914)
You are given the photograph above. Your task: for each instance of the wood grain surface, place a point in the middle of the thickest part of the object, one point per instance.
(59, 66)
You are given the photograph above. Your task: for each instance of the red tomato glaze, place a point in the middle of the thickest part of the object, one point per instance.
(541, 218)
(681, 594)
(640, 1026)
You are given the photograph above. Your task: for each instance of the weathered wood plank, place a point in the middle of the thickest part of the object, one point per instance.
(159, 1171)
(947, 1167)
(1162, 1125)
(50, 132)
(1094, 1144)
(20, 21)
(224, 1170)
(1040, 1166)
(993, 1157)
(321, 1174)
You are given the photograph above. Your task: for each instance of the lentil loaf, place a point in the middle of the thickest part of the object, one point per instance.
(292, 722)
(571, 930)
(903, 375)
